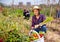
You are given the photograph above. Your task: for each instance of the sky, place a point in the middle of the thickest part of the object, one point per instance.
(33, 2)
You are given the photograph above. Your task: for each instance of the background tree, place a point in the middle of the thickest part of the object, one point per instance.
(59, 3)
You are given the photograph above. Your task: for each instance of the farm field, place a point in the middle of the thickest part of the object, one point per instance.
(14, 28)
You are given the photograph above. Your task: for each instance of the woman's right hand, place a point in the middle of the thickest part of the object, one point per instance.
(32, 28)
(36, 26)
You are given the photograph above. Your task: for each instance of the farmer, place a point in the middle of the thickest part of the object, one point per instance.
(37, 19)
(26, 14)
(58, 12)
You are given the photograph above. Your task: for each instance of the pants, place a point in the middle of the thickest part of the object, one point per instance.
(42, 28)
(58, 15)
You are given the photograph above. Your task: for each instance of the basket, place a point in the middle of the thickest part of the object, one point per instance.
(39, 39)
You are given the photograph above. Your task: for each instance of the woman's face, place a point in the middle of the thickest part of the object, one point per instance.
(36, 12)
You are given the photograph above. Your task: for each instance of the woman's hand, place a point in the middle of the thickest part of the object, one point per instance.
(36, 26)
(32, 28)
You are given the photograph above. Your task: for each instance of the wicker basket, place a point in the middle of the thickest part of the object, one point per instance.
(39, 39)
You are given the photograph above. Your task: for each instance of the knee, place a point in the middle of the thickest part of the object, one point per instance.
(44, 28)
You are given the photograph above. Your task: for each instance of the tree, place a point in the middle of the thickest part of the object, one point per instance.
(53, 2)
(1, 4)
(59, 3)
(13, 4)
(48, 2)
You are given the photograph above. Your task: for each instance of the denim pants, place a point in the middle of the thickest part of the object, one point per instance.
(42, 28)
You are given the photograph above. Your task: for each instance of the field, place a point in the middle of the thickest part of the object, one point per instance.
(14, 28)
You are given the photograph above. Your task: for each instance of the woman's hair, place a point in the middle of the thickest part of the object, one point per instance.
(38, 11)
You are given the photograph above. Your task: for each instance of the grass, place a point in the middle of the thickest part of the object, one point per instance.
(13, 27)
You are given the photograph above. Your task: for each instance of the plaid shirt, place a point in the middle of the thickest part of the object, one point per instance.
(36, 21)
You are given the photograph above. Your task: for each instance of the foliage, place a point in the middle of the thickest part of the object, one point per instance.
(10, 29)
(13, 27)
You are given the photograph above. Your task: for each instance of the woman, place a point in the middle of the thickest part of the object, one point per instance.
(58, 12)
(37, 19)
(26, 13)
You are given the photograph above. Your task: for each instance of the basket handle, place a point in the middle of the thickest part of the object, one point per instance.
(35, 32)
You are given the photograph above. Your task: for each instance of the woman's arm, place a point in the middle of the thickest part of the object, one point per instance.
(43, 18)
(33, 24)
